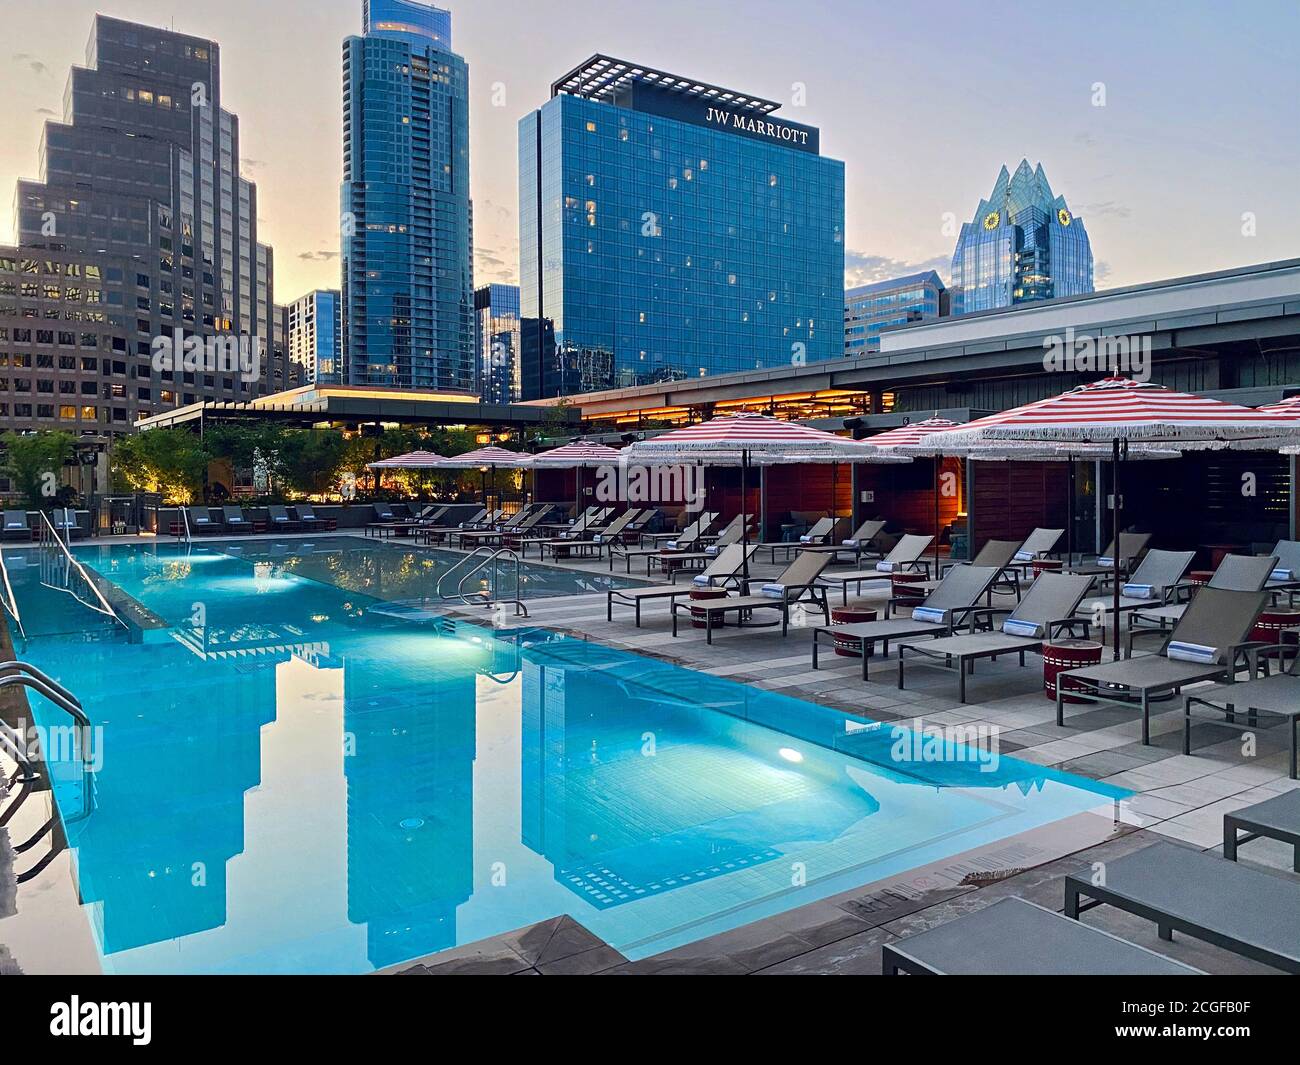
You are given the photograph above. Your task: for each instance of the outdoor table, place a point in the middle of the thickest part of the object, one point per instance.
(699, 619)
(1277, 818)
(1060, 655)
(1046, 565)
(668, 560)
(904, 586)
(1200, 577)
(851, 615)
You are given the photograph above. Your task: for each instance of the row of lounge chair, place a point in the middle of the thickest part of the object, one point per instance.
(232, 519)
(19, 526)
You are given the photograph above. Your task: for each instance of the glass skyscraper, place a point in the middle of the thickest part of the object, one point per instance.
(312, 336)
(897, 301)
(1022, 244)
(672, 229)
(140, 185)
(408, 286)
(496, 340)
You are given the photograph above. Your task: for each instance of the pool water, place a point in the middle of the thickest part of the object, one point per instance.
(293, 779)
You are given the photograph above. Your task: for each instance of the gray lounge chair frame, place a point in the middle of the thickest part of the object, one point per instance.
(1049, 604)
(1014, 937)
(861, 541)
(200, 519)
(1288, 557)
(1277, 695)
(1162, 570)
(239, 520)
(1240, 909)
(278, 518)
(904, 555)
(1216, 618)
(722, 571)
(16, 521)
(1041, 543)
(1236, 573)
(799, 579)
(1131, 545)
(689, 535)
(957, 595)
(307, 517)
(819, 534)
(593, 544)
(1276, 818)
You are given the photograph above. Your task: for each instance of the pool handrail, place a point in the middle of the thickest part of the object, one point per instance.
(47, 531)
(10, 601)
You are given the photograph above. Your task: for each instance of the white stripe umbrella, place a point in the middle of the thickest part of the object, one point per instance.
(486, 458)
(913, 435)
(1117, 411)
(412, 460)
(747, 439)
(577, 456)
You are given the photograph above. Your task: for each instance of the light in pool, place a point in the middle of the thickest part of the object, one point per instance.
(411, 822)
(790, 754)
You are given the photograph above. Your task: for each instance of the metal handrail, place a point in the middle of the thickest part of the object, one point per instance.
(185, 522)
(28, 676)
(48, 530)
(10, 600)
(493, 558)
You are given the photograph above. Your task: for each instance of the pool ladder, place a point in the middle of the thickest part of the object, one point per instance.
(484, 556)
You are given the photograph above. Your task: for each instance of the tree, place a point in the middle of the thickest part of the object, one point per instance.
(169, 461)
(311, 460)
(33, 462)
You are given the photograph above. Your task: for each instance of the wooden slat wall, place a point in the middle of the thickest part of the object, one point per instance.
(1013, 498)
(904, 495)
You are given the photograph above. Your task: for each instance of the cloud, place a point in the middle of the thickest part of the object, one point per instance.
(252, 164)
(1106, 207)
(34, 63)
(47, 111)
(1100, 273)
(317, 256)
(495, 265)
(863, 269)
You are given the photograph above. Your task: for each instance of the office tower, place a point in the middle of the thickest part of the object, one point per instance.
(312, 335)
(884, 304)
(496, 341)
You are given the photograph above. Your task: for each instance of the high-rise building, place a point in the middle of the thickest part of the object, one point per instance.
(883, 304)
(140, 180)
(496, 340)
(313, 326)
(669, 228)
(1022, 244)
(408, 283)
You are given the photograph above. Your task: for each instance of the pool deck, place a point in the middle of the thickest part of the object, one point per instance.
(1177, 797)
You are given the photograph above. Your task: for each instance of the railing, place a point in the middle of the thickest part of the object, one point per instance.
(183, 528)
(49, 535)
(483, 597)
(10, 600)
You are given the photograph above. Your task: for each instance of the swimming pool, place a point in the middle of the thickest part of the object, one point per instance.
(294, 780)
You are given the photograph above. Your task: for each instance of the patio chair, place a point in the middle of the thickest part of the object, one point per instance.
(701, 557)
(1047, 609)
(1015, 937)
(950, 603)
(796, 585)
(684, 539)
(518, 525)
(734, 525)
(862, 540)
(233, 519)
(1206, 644)
(904, 558)
(1110, 561)
(723, 570)
(594, 544)
(1286, 574)
(732, 534)
(1181, 889)
(16, 525)
(1278, 695)
(1151, 584)
(1038, 544)
(307, 517)
(1236, 573)
(65, 523)
(278, 518)
(383, 513)
(998, 553)
(816, 536)
(200, 520)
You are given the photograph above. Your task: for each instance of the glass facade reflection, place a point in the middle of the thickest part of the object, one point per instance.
(408, 287)
(1023, 244)
(313, 336)
(663, 237)
(898, 301)
(496, 343)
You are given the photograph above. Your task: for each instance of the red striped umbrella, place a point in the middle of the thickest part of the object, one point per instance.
(578, 453)
(486, 456)
(912, 434)
(1287, 408)
(412, 460)
(764, 439)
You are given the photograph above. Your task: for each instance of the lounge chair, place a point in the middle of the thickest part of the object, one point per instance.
(904, 558)
(16, 525)
(384, 513)
(232, 518)
(594, 544)
(735, 525)
(1041, 543)
(1276, 818)
(1047, 609)
(1286, 574)
(1236, 573)
(65, 522)
(278, 518)
(796, 585)
(677, 562)
(1015, 937)
(1131, 545)
(862, 540)
(816, 536)
(511, 530)
(1207, 643)
(998, 553)
(950, 603)
(307, 518)
(1278, 695)
(1232, 906)
(1156, 578)
(200, 520)
(723, 570)
(648, 544)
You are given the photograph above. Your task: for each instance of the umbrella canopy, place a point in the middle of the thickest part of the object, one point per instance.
(761, 439)
(1286, 408)
(913, 434)
(578, 453)
(485, 456)
(412, 460)
(1117, 408)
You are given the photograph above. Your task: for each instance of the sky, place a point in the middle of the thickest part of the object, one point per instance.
(1168, 126)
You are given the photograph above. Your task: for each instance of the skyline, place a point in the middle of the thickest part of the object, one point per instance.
(900, 183)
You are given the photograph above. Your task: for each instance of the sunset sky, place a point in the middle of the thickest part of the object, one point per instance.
(923, 103)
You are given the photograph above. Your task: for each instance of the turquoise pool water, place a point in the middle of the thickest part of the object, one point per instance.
(294, 780)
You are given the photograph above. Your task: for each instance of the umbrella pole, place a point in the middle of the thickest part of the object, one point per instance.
(744, 525)
(1115, 525)
(938, 461)
(1069, 517)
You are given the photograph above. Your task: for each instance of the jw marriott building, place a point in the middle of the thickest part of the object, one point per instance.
(671, 229)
